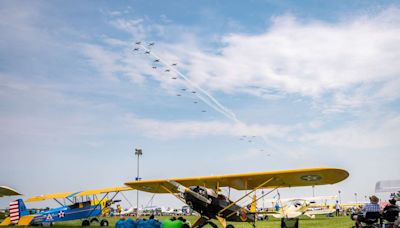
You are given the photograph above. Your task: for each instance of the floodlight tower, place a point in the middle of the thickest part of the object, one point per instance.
(138, 153)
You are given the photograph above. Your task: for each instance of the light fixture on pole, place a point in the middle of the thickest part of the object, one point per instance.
(340, 198)
(138, 153)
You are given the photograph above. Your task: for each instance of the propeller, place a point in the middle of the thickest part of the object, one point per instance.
(183, 189)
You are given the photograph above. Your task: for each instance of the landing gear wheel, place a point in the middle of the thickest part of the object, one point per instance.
(212, 224)
(85, 223)
(94, 220)
(230, 226)
(104, 222)
(290, 223)
(209, 223)
(184, 225)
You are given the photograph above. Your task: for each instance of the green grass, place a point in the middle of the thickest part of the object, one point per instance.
(319, 221)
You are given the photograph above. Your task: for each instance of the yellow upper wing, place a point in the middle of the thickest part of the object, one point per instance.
(103, 190)
(74, 194)
(248, 181)
(7, 191)
(49, 196)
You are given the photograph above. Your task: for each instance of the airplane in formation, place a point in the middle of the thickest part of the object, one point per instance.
(80, 206)
(203, 195)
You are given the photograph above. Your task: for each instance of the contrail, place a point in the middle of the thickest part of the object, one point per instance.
(208, 99)
(212, 102)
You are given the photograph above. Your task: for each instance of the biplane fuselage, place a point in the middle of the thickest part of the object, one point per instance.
(81, 210)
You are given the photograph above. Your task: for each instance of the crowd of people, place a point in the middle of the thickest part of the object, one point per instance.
(152, 222)
(390, 212)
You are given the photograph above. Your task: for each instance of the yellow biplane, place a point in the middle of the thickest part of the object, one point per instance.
(87, 206)
(203, 195)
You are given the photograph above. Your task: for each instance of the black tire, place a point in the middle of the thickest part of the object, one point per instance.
(185, 225)
(283, 224)
(208, 223)
(104, 222)
(230, 226)
(94, 220)
(213, 225)
(85, 223)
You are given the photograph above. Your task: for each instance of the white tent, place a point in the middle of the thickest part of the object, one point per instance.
(387, 186)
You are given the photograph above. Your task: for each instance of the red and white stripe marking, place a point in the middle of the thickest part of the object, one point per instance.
(14, 211)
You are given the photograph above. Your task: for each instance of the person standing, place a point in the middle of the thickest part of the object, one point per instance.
(337, 208)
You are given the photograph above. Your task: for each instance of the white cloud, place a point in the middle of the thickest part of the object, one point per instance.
(345, 60)
(374, 133)
(307, 58)
(181, 129)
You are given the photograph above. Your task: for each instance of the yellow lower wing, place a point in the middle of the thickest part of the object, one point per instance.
(6, 222)
(25, 220)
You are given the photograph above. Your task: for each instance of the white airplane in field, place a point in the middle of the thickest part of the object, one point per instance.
(294, 207)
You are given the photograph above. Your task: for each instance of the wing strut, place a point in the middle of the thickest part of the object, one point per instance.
(258, 187)
(166, 189)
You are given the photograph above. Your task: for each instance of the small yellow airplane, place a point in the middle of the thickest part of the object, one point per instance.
(203, 195)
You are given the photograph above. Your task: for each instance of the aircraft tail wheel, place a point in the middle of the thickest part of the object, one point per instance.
(230, 226)
(104, 222)
(85, 223)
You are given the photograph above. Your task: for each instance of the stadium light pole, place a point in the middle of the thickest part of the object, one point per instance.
(138, 153)
(340, 198)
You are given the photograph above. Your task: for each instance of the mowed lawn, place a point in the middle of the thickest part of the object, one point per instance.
(319, 221)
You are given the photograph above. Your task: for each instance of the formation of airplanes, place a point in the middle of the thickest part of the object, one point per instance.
(202, 194)
(143, 47)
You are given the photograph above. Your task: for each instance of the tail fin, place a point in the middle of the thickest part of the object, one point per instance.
(253, 207)
(17, 210)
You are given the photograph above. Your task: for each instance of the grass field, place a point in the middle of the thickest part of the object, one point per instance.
(306, 222)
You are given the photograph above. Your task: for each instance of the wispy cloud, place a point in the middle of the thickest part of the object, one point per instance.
(363, 135)
(181, 129)
(350, 60)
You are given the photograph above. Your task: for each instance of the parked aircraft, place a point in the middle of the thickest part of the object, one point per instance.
(202, 193)
(80, 207)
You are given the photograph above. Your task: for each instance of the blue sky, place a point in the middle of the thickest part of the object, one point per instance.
(317, 84)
